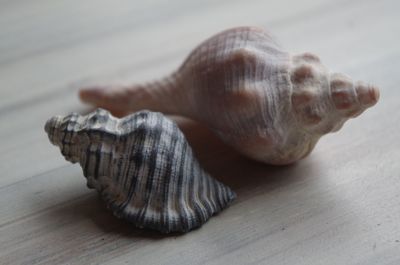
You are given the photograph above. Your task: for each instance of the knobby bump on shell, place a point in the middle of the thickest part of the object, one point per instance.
(143, 168)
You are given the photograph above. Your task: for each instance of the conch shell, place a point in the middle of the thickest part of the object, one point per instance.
(143, 168)
(266, 103)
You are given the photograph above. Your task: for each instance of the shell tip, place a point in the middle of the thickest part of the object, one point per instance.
(50, 125)
(367, 95)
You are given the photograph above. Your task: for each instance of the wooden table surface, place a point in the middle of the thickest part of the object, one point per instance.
(341, 205)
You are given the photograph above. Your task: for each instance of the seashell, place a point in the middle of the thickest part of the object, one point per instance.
(266, 103)
(143, 168)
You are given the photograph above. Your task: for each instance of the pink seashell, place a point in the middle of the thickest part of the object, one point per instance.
(266, 103)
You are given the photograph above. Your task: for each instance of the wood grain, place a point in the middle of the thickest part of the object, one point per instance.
(341, 205)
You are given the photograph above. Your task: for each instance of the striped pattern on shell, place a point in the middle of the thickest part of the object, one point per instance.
(143, 168)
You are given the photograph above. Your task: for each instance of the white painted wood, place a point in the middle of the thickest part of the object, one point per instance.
(339, 206)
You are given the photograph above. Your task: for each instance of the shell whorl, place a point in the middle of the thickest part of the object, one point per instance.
(233, 73)
(143, 168)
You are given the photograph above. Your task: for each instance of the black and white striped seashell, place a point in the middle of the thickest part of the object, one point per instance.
(142, 166)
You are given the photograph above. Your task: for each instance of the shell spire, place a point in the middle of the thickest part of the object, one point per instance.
(323, 101)
(143, 168)
(350, 98)
(266, 103)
